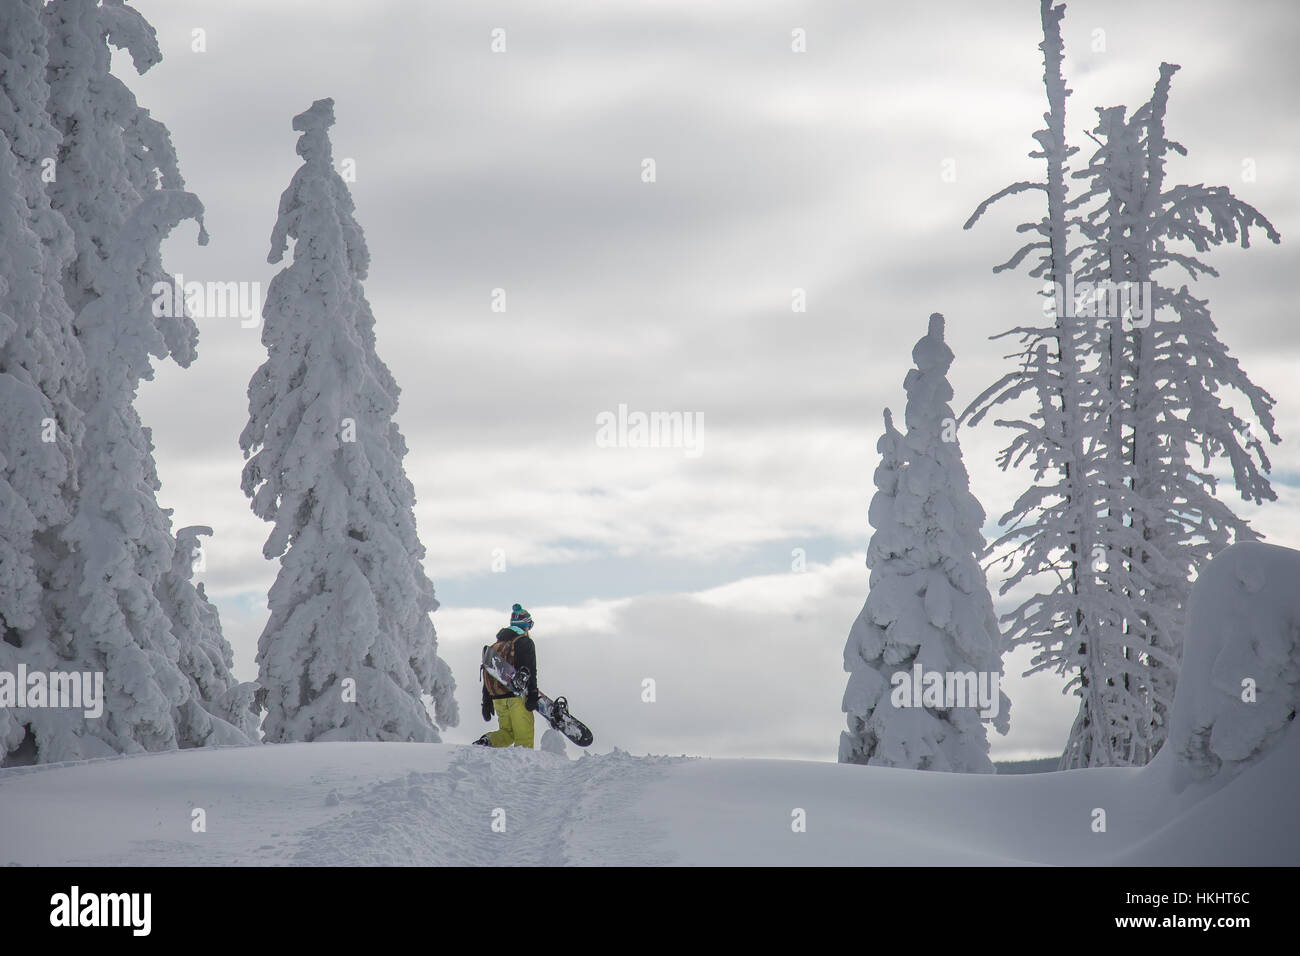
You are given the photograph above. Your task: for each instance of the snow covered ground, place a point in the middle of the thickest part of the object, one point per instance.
(425, 804)
(1222, 792)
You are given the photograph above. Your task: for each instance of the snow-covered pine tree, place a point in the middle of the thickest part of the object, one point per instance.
(112, 151)
(40, 367)
(1167, 373)
(219, 709)
(120, 546)
(868, 686)
(928, 603)
(116, 182)
(349, 648)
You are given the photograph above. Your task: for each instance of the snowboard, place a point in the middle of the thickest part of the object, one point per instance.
(555, 711)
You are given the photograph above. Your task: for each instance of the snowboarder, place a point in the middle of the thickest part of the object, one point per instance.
(514, 715)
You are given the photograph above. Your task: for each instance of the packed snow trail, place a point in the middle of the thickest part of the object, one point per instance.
(333, 804)
(505, 807)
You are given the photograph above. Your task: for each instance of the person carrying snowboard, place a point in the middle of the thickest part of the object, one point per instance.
(514, 714)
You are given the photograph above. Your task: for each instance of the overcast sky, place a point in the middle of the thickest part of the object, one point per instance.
(775, 170)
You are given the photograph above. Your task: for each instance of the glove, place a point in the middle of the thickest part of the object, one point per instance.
(530, 702)
(488, 710)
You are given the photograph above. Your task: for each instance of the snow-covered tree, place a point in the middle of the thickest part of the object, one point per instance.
(1168, 374)
(112, 151)
(120, 545)
(40, 364)
(1052, 527)
(1118, 518)
(928, 604)
(219, 709)
(349, 649)
(113, 178)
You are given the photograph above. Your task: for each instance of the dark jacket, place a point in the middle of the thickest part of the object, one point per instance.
(525, 656)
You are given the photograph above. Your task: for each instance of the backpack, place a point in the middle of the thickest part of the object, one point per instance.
(505, 649)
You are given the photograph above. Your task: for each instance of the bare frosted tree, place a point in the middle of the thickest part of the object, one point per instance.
(1051, 527)
(1167, 374)
(1119, 518)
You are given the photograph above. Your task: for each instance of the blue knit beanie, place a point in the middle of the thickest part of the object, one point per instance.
(520, 620)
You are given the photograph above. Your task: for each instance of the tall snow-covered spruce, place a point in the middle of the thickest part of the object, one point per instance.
(41, 367)
(349, 649)
(928, 607)
(101, 188)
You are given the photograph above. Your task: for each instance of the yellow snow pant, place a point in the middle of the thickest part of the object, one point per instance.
(516, 722)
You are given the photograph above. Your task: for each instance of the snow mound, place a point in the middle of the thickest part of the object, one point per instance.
(1239, 686)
